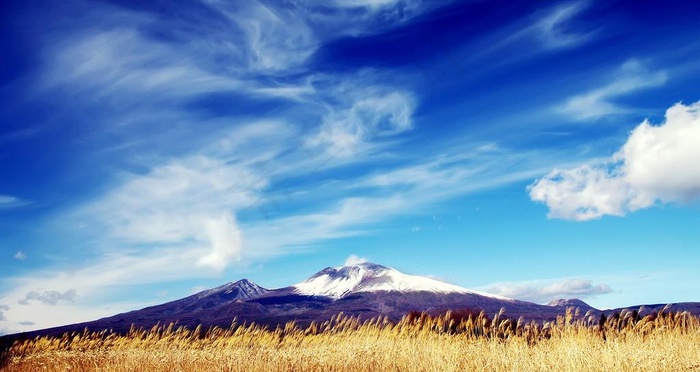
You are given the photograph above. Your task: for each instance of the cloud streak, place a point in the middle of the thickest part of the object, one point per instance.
(552, 28)
(548, 30)
(655, 165)
(9, 201)
(600, 102)
(546, 291)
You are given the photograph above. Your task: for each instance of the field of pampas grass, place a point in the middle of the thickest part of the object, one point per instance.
(452, 342)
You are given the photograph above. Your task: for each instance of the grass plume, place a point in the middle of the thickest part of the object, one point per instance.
(454, 341)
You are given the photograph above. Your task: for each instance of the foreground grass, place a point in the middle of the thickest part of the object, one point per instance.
(659, 342)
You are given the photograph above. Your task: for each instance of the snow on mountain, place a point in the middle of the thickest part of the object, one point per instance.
(368, 277)
(243, 289)
(568, 303)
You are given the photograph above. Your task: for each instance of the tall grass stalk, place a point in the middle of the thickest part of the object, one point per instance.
(455, 341)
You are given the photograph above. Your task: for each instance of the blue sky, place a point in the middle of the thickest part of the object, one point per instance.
(536, 150)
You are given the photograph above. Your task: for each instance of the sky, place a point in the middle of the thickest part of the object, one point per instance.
(536, 150)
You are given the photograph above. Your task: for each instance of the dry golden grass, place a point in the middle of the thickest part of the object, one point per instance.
(453, 342)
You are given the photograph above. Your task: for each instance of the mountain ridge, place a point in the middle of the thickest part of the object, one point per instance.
(247, 302)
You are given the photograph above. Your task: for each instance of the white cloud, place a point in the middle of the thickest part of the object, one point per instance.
(363, 17)
(551, 29)
(348, 132)
(546, 291)
(190, 203)
(663, 160)
(583, 193)
(175, 201)
(109, 58)
(631, 77)
(48, 297)
(226, 242)
(9, 201)
(3, 308)
(396, 191)
(656, 164)
(276, 38)
(117, 66)
(20, 256)
(353, 260)
(443, 172)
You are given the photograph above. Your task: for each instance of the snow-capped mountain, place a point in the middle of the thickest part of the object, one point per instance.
(364, 290)
(243, 289)
(369, 277)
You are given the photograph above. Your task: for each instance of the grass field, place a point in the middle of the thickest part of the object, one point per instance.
(452, 342)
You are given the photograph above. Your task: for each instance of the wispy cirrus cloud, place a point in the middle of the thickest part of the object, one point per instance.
(631, 77)
(554, 32)
(364, 17)
(375, 116)
(547, 30)
(9, 201)
(655, 165)
(275, 38)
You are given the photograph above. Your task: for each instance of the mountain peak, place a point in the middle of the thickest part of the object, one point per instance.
(348, 271)
(568, 302)
(243, 289)
(341, 281)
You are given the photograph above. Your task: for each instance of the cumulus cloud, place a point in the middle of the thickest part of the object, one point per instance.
(657, 164)
(49, 297)
(3, 308)
(20, 256)
(353, 260)
(543, 292)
